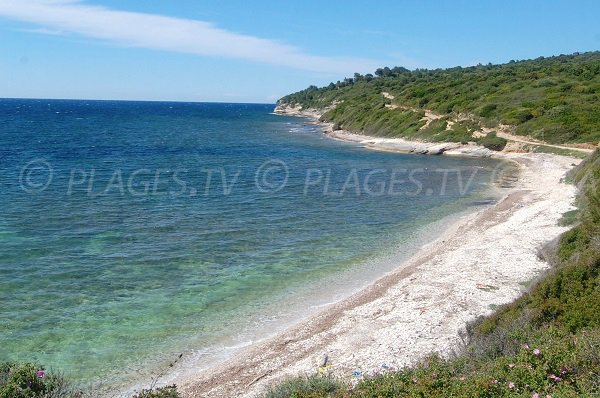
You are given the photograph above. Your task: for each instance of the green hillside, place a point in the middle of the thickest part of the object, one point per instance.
(554, 99)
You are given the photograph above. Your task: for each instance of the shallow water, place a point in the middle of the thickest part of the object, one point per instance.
(131, 232)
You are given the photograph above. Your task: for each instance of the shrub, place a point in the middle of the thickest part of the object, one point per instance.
(492, 141)
(487, 110)
(160, 392)
(305, 387)
(31, 381)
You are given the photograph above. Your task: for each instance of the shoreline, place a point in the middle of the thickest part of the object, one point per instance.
(480, 261)
(398, 145)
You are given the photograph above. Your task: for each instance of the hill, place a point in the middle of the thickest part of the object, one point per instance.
(553, 99)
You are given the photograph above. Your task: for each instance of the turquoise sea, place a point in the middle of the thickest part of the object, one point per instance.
(131, 232)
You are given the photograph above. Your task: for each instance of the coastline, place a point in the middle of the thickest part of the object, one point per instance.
(398, 145)
(480, 261)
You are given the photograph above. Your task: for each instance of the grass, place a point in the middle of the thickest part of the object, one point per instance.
(559, 151)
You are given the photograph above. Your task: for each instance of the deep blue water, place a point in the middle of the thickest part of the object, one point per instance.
(134, 231)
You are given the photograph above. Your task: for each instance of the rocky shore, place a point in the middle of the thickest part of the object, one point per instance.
(386, 144)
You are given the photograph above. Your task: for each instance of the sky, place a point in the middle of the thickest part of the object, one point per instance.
(258, 51)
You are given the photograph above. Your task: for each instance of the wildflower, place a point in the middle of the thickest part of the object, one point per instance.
(434, 376)
(548, 396)
(535, 395)
(555, 378)
(462, 378)
(526, 346)
(511, 365)
(536, 352)
(511, 384)
(41, 374)
(494, 381)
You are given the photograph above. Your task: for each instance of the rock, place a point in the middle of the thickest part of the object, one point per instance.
(323, 361)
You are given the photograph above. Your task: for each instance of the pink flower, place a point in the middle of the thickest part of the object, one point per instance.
(511, 384)
(536, 352)
(555, 378)
(535, 395)
(548, 396)
(494, 381)
(41, 374)
(434, 376)
(462, 378)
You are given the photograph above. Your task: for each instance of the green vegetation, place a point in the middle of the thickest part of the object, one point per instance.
(161, 392)
(553, 99)
(31, 381)
(491, 141)
(569, 218)
(558, 151)
(311, 386)
(547, 343)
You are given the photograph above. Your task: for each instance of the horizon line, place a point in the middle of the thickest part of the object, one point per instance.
(133, 100)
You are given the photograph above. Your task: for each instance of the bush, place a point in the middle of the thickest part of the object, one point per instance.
(305, 387)
(28, 380)
(492, 141)
(160, 392)
(487, 110)
(31, 381)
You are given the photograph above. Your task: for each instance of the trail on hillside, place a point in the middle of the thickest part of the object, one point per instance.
(502, 131)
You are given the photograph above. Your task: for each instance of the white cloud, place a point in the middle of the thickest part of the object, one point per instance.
(169, 34)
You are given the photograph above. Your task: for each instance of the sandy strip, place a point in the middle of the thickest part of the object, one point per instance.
(481, 261)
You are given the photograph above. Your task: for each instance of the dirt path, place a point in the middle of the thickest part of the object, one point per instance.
(523, 140)
(501, 131)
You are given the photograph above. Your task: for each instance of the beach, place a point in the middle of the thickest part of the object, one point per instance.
(483, 260)
(174, 244)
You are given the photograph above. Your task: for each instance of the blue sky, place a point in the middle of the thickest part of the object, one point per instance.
(257, 51)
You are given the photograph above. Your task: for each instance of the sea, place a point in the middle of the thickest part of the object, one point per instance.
(133, 232)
